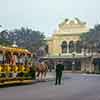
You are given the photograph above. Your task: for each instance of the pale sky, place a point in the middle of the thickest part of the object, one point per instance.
(45, 15)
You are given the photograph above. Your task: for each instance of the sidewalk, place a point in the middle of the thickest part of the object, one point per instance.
(50, 75)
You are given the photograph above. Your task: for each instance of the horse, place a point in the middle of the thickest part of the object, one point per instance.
(41, 69)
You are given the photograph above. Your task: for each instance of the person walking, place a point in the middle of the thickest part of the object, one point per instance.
(59, 69)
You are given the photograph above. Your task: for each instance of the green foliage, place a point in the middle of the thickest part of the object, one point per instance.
(92, 38)
(24, 37)
(4, 38)
(29, 38)
(5, 42)
(84, 36)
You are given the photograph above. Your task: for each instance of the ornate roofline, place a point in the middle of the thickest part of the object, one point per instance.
(68, 22)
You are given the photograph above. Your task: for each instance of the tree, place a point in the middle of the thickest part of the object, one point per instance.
(28, 38)
(92, 38)
(4, 41)
(24, 37)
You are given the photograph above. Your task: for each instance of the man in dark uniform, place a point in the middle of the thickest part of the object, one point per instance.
(59, 69)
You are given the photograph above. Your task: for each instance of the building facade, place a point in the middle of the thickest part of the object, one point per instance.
(67, 38)
(65, 45)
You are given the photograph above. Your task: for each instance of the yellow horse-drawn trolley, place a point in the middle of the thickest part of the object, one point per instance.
(15, 65)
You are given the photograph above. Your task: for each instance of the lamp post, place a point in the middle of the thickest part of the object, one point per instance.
(73, 62)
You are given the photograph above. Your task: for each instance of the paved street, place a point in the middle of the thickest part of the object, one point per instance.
(74, 87)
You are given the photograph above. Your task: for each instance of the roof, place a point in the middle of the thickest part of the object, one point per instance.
(14, 49)
(74, 26)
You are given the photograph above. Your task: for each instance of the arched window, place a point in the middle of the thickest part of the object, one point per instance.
(78, 47)
(64, 47)
(71, 46)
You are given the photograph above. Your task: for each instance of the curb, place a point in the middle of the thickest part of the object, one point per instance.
(23, 83)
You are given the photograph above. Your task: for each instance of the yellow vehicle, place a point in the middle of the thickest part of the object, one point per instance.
(15, 65)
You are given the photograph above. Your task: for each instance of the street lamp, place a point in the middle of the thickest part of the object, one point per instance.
(73, 62)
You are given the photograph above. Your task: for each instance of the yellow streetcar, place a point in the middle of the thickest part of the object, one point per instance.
(15, 65)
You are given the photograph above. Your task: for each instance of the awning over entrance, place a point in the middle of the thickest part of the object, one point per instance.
(65, 57)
